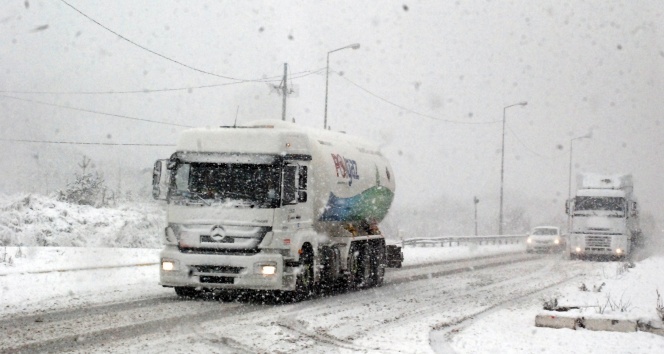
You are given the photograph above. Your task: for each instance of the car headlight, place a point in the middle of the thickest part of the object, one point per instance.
(529, 240)
(556, 241)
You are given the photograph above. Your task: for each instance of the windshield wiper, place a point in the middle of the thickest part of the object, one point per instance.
(240, 195)
(198, 195)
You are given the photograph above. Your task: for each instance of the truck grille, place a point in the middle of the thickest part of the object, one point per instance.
(218, 269)
(594, 241)
(233, 252)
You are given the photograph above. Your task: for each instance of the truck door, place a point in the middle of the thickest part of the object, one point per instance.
(295, 197)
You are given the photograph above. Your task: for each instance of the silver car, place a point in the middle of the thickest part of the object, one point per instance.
(545, 239)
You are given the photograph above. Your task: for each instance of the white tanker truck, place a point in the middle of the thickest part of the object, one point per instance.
(274, 206)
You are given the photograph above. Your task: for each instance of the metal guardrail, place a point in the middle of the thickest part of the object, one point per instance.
(451, 241)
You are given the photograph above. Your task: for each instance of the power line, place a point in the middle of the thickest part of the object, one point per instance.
(156, 53)
(295, 76)
(95, 112)
(413, 111)
(79, 143)
(529, 149)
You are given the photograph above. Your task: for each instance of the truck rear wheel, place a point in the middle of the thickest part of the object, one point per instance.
(378, 262)
(359, 266)
(366, 266)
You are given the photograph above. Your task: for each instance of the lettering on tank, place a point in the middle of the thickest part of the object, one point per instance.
(345, 168)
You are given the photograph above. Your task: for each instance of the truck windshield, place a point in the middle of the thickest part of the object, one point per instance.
(209, 182)
(600, 203)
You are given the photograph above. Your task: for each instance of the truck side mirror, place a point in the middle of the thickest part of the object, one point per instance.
(633, 210)
(289, 195)
(160, 180)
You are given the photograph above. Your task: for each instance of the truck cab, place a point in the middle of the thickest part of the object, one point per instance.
(603, 217)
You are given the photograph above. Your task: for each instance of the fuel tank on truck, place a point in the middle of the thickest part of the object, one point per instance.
(349, 179)
(354, 181)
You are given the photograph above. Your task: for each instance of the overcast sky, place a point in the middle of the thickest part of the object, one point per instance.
(429, 83)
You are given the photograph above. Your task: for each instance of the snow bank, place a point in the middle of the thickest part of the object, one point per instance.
(617, 291)
(35, 220)
(511, 328)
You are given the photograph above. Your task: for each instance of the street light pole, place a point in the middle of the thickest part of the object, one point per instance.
(502, 167)
(571, 145)
(569, 185)
(327, 76)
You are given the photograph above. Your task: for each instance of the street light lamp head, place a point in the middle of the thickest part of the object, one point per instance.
(355, 46)
(523, 103)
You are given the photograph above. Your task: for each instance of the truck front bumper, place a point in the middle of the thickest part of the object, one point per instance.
(261, 271)
(601, 245)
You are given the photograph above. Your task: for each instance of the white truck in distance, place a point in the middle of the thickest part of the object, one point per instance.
(604, 219)
(274, 206)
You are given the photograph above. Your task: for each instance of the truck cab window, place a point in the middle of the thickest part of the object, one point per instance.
(302, 185)
(290, 188)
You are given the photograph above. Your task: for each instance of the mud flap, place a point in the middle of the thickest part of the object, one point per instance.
(394, 256)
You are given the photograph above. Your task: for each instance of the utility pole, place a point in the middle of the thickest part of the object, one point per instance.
(284, 91)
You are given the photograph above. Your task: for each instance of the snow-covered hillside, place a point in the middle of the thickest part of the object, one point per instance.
(37, 220)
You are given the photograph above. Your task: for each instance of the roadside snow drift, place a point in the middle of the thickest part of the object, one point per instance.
(35, 220)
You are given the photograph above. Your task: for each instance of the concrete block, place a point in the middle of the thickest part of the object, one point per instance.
(601, 324)
(552, 321)
(654, 327)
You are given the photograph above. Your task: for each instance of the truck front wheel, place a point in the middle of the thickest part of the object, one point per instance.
(305, 279)
(186, 291)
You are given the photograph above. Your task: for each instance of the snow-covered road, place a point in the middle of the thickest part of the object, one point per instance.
(396, 317)
(429, 306)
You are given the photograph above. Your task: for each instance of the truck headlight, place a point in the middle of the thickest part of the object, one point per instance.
(529, 240)
(578, 250)
(168, 264)
(267, 268)
(556, 241)
(618, 251)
